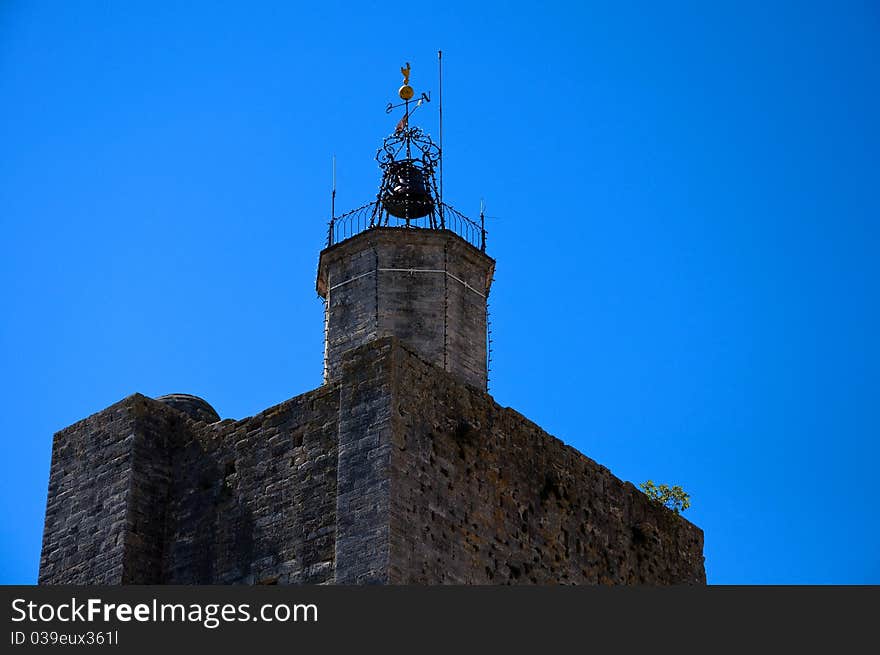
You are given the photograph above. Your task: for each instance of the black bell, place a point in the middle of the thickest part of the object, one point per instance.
(406, 192)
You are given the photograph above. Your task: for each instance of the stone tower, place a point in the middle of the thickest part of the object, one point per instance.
(426, 287)
(418, 272)
(399, 469)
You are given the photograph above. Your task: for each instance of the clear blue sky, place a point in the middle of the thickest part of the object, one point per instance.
(684, 202)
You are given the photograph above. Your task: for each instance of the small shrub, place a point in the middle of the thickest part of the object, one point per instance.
(674, 498)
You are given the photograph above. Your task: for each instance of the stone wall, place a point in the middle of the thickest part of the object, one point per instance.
(254, 501)
(395, 472)
(481, 495)
(363, 503)
(158, 429)
(348, 282)
(103, 522)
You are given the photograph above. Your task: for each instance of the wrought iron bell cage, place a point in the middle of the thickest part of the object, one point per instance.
(408, 159)
(408, 193)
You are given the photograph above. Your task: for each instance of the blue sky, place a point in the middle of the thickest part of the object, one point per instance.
(683, 203)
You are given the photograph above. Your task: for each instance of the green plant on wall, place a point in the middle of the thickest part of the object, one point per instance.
(674, 498)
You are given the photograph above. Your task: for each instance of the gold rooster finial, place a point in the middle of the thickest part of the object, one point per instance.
(406, 91)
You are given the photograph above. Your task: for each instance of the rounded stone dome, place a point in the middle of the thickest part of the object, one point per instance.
(193, 406)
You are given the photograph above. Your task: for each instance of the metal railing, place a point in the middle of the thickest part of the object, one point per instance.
(372, 215)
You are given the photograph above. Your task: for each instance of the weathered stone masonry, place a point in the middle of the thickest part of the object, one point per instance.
(429, 290)
(481, 495)
(394, 472)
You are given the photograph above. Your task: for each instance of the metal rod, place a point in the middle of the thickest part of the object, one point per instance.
(406, 135)
(332, 202)
(440, 102)
(482, 225)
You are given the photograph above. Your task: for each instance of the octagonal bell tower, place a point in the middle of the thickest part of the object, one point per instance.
(408, 265)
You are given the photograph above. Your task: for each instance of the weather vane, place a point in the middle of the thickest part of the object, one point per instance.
(408, 158)
(406, 94)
